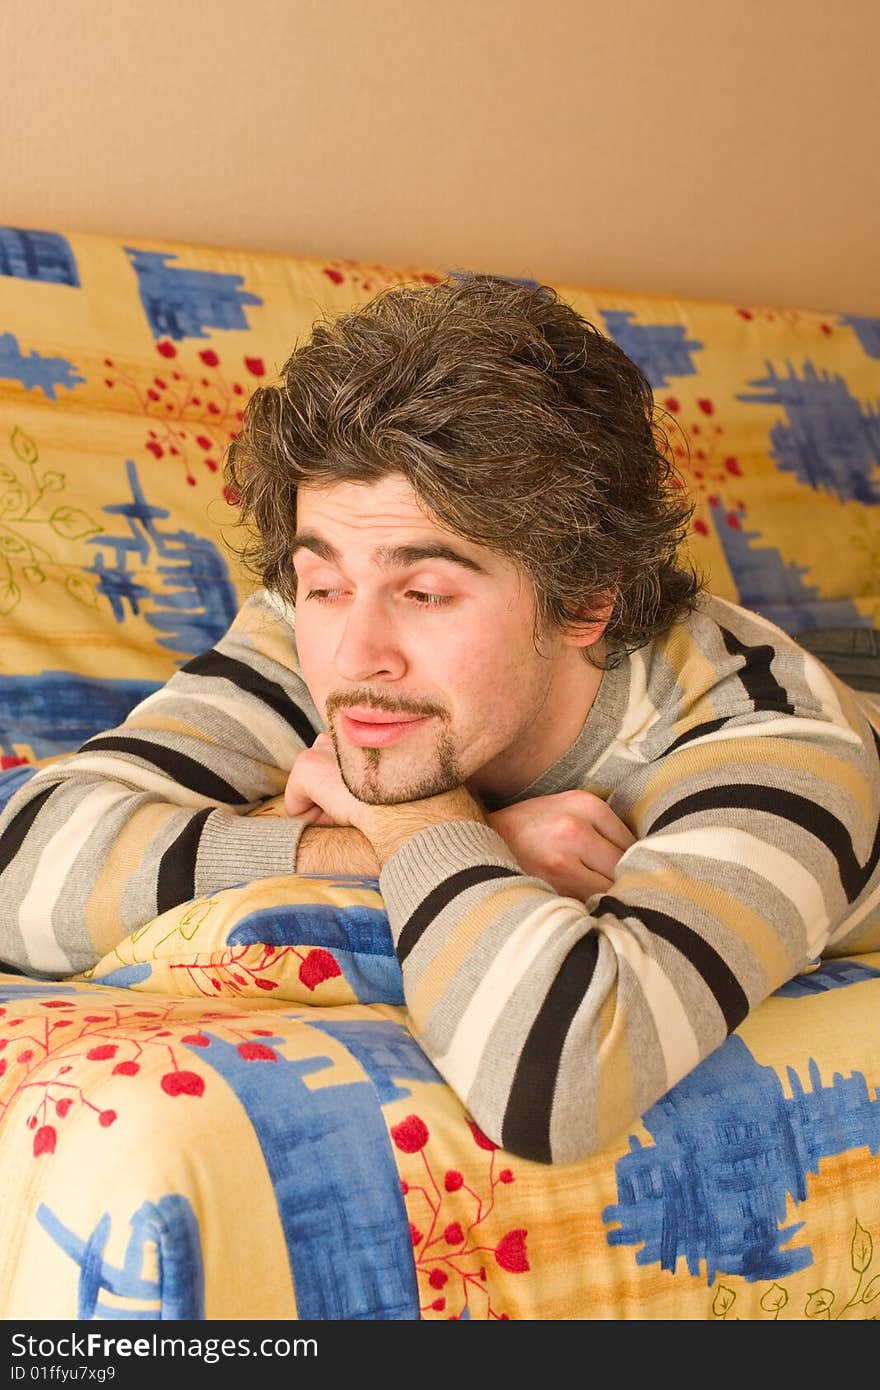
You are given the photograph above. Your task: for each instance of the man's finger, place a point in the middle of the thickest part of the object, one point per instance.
(612, 827)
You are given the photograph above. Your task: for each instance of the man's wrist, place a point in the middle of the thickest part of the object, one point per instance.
(389, 827)
(335, 849)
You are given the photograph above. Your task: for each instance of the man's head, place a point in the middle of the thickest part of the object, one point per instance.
(460, 489)
(518, 426)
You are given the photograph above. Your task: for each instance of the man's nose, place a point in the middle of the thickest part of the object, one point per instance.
(368, 645)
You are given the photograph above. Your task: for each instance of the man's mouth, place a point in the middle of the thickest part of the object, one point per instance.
(376, 728)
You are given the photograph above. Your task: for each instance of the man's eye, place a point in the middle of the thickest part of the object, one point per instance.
(323, 595)
(429, 600)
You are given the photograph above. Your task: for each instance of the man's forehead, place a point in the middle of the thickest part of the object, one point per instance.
(385, 519)
(390, 498)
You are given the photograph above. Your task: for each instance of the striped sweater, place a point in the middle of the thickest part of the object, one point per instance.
(749, 774)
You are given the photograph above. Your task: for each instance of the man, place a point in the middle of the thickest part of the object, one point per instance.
(610, 813)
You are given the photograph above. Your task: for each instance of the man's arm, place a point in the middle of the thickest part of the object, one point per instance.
(154, 812)
(335, 850)
(558, 1023)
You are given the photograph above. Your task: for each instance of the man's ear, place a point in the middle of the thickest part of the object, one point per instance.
(583, 632)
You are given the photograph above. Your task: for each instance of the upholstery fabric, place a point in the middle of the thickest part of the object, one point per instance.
(227, 1117)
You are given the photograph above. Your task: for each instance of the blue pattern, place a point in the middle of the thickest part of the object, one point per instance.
(198, 601)
(830, 442)
(662, 350)
(358, 936)
(12, 778)
(832, 974)
(45, 256)
(181, 303)
(327, 1151)
(169, 1225)
(56, 711)
(34, 370)
(773, 587)
(867, 330)
(730, 1150)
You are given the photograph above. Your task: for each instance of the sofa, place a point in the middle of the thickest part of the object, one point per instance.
(227, 1118)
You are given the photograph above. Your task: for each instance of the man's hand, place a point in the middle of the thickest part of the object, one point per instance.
(315, 790)
(572, 840)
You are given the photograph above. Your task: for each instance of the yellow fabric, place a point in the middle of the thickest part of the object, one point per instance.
(150, 1154)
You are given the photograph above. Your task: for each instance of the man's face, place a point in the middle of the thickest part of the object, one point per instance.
(417, 648)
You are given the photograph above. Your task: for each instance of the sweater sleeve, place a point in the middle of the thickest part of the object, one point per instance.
(558, 1023)
(152, 813)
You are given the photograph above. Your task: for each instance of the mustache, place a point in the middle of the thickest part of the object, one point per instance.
(372, 699)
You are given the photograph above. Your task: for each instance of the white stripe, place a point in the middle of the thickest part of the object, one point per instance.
(781, 727)
(856, 917)
(678, 1041)
(820, 685)
(272, 731)
(543, 927)
(47, 881)
(729, 846)
(282, 607)
(639, 717)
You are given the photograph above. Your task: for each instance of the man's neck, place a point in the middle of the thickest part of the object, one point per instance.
(559, 722)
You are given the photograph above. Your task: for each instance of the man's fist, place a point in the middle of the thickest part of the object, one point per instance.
(572, 840)
(315, 791)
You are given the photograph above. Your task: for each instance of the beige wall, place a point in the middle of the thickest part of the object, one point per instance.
(720, 149)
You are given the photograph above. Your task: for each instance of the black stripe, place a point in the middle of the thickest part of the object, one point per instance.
(761, 685)
(441, 896)
(718, 976)
(178, 766)
(21, 823)
(526, 1128)
(213, 663)
(773, 801)
(177, 868)
(697, 731)
(868, 871)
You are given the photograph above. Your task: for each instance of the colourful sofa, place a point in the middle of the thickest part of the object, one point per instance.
(227, 1118)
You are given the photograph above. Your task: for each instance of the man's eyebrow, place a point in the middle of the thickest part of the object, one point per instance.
(389, 556)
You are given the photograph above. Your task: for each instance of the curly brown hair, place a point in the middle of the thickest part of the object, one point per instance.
(518, 424)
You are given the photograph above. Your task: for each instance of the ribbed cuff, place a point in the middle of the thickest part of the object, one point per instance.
(235, 849)
(430, 857)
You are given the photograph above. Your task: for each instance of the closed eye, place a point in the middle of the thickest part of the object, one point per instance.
(429, 600)
(419, 596)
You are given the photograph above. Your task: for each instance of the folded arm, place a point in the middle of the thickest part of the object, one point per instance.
(154, 812)
(558, 1023)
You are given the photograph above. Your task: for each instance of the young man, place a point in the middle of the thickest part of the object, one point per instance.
(610, 813)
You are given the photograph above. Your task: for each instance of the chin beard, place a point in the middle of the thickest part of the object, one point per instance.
(366, 783)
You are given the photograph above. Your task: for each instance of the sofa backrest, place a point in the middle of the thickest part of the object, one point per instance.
(124, 368)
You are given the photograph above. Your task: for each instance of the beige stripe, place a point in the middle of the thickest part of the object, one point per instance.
(468, 930)
(695, 672)
(678, 1041)
(832, 694)
(697, 760)
(104, 904)
(48, 879)
(557, 921)
(272, 731)
(733, 914)
(132, 774)
(637, 720)
(614, 1086)
(781, 727)
(724, 845)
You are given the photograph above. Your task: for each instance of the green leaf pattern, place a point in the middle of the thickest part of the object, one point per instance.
(31, 526)
(820, 1302)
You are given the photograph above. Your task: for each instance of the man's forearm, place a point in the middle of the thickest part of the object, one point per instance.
(386, 828)
(335, 849)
